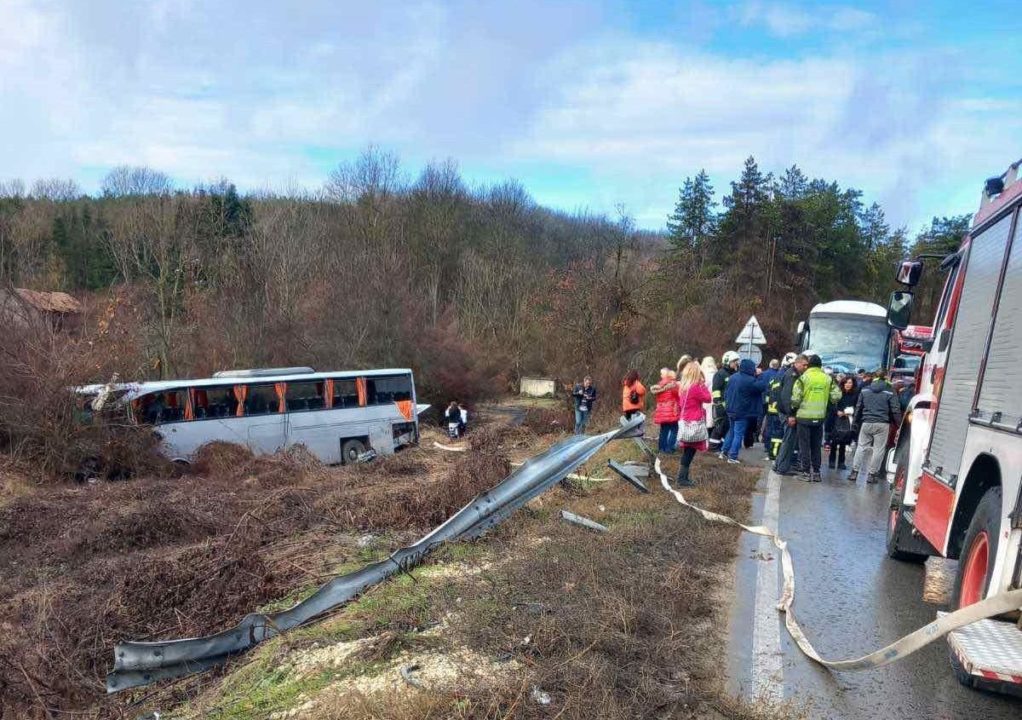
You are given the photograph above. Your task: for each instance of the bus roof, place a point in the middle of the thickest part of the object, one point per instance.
(849, 307)
(141, 388)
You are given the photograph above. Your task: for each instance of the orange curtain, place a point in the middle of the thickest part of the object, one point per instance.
(281, 389)
(190, 405)
(328, 394)
(360, 387)
(240, 393)
(405, 406)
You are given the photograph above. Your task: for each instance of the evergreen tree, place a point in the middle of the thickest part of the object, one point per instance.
(744, 242)
(694, 219)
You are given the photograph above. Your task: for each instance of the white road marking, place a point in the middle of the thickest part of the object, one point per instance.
(767, 669)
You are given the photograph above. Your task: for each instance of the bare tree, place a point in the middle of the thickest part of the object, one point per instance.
(134, 180)
(56, 190)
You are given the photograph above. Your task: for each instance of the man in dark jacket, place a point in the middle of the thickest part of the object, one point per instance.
(728, 367)
(785, 460)
(584, 394)
(744, 401)
(875, 412)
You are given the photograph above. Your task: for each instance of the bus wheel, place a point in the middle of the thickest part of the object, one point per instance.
(350, 450)
(976, 563)
(899, 532)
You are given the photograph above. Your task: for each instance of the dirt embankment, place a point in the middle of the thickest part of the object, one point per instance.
(86, 566)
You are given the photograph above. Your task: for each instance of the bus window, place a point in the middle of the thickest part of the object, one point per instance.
(215, 402)
(345, 393)
(385, 390)
(304, 396)
(161, 407)
(261, 400)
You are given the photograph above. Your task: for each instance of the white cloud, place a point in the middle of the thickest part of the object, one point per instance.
(643, 116)
(786, 20)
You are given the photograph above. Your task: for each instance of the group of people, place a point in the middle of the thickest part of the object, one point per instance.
(817, 408)
(795, 406)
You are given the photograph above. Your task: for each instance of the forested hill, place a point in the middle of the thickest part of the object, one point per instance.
(471, 287)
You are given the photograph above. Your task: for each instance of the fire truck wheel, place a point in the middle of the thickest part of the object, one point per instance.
(899, 532)
(976, 562)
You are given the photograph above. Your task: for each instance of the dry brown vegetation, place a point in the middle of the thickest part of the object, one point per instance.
(89, 565)
(617, 625)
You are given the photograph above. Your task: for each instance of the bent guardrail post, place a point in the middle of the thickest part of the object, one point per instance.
(140, 663)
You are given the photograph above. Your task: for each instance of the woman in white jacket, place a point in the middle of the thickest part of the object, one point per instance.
(709, 367)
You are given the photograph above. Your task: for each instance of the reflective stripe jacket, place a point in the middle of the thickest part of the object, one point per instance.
(720, 379)
(813, 392)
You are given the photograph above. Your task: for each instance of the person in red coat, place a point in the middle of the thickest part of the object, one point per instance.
(666, 413)
(692, 396)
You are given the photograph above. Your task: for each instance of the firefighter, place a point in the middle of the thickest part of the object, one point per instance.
(773, 377)
(784, 459)
(728, 367)
(812, 395)
(773, 423)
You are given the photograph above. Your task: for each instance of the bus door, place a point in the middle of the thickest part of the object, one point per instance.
(265, 423)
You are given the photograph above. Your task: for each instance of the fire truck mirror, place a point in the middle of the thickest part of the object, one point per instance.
(899, 310)
(909, 272)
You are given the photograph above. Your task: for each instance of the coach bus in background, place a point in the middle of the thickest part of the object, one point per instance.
(848, 335)
(957, 462)
(337, 416)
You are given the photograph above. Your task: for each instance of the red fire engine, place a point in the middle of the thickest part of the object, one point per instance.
(957, 462)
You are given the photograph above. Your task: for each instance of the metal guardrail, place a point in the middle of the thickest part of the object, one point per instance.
(141, 663)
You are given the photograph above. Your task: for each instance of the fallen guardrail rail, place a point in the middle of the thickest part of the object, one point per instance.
(140, 663)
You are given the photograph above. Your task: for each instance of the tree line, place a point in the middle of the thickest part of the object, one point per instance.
(471, 287)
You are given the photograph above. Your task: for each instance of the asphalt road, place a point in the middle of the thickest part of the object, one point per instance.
(850, 599)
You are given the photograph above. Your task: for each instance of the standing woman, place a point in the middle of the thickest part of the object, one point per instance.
(693, 395)
(666, 413)
(709, 368)
(842, 435)
(633, 395)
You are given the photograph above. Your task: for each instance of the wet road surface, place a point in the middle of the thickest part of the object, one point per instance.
(850, 599)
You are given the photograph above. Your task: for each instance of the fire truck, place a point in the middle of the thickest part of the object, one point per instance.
(956, 466)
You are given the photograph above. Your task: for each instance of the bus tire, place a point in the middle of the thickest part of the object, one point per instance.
(899, 532)
(350, 450)
(976, 562)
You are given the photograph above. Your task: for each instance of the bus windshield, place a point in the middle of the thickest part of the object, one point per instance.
(849, 343)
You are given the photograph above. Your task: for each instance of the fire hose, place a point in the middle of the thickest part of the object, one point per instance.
(901, 648)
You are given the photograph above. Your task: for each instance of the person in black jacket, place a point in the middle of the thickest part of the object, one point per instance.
(728, 367)
(842, 433)
(785, 461)
(876, 410)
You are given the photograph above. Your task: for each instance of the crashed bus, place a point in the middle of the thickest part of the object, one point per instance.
(956, 467)
(336, 416)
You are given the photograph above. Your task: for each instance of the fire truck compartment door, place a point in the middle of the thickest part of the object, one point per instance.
(972, 326)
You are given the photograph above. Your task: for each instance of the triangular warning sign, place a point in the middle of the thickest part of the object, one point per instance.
(752, 333)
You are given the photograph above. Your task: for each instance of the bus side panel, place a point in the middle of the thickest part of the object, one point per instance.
(319, 431)
(968, 344)
(182, 440)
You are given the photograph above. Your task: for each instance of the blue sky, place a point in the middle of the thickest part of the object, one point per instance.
(590, 104)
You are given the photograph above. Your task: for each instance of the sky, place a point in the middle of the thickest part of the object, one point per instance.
(591, 105)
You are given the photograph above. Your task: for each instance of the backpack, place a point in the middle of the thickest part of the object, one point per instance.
(633, 397)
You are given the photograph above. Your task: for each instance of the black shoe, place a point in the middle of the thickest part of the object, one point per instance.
(842, 466)
(830, 464)
(815, 477)
(872, 480)
(854, 477)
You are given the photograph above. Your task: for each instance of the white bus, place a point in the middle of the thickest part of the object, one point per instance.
(848, 335)
(337, 416)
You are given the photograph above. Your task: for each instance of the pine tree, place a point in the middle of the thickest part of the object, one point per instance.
(694, 219)
(744, 244)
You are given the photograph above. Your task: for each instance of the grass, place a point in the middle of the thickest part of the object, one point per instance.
(611, 625)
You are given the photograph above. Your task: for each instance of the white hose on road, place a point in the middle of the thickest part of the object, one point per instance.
(991, 607)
